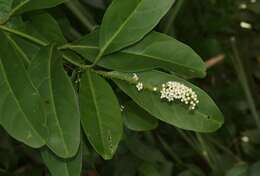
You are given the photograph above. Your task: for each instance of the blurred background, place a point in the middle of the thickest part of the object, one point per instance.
(226, 34)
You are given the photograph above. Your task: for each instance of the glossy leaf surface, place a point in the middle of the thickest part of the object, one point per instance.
(60, 101)
(156, 50)
(205, 118)
(135, 118)
(126, 22)
(22, 119)
(65, 167)
(100, 114)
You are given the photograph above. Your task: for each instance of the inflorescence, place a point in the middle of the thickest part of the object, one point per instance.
(172, 91)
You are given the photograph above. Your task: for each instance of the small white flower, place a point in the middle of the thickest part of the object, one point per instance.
(140, 86)
(135, 77)
(122, 108)
(155, 89)
(205, 153)
(173, 90)
(245, 139)
(242, 6)
(253, 1)
(245, 25)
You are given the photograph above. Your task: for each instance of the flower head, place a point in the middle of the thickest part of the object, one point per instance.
(140, 86)
(173, 90)
(135, 77)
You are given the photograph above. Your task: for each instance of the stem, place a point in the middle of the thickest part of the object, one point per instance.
(124, 77)
(175, 10)
(204, 150)
(24, 35)
(99, 56)
(224, 148)
(82, 66)
(244, 81)
(79, 13)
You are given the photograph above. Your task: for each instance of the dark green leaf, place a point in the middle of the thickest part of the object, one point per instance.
(126, 166)
(144, 151)
(239, 170)
(22, 119)
(100, 114)
(156, 50)
(5, 7)
(148, 169)
(135, 118)
(254, 170)
(60, 100)
(205, 118)
(37, 4)
(128, 21)
(62, 167)
(45, 27)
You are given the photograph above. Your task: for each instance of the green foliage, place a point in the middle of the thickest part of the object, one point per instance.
(74, 95)
(57, 92)
(100, 114)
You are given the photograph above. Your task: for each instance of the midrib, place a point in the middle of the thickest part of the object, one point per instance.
(92, 89)
(120, 28)
(53, 102)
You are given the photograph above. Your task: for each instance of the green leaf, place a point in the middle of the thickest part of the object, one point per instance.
(45, 27)
(100, 114)
(26, 49)
(148, 169)
(135, 118)
(5, 7)
(60, 100)
(205, 118)
(144, 151)
(65, 167)
(156, 50)
(128, 21)
(22, 119)
(37, 4)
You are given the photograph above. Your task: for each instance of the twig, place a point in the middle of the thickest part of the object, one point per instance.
(215, 60)
(244, 80)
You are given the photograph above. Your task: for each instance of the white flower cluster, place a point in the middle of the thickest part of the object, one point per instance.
(173, 90)
(140, 86)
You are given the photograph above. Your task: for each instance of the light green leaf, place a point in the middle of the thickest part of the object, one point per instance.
(100, 114)
(205, 118)
(135, 118)
(62, 167)
(156, 50)
(128, 21)
(22, 119)
(60, 100)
